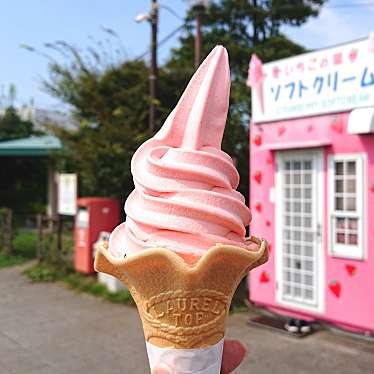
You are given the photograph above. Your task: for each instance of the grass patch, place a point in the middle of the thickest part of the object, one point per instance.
(43, 272)
(9, 260)
(24, 244)
(23, 249)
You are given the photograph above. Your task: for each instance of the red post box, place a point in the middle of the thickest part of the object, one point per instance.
(94, 215)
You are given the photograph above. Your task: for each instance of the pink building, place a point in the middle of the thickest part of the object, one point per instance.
(312, 184)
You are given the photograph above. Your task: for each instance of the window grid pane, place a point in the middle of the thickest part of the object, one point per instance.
(345, 185)
(298, 272)
(345, 200)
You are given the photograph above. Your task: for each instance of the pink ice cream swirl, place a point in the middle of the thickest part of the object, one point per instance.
(185, 196)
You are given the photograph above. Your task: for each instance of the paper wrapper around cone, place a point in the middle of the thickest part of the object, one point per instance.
(183, 306)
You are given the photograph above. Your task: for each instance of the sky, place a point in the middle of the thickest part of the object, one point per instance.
(81, 23)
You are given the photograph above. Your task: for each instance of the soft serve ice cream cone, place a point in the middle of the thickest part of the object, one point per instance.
(182, 250)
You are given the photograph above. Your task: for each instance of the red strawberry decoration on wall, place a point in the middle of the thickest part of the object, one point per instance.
(257, 139)
(336, 126)
(269, 160)
(335, 287)
(310, 128)
(258, 176)
(269, 247)
(372, 187)
(353, 55)
(264, 277)
(281, 130)
(258, 207)
(268, 223)
(351, 269)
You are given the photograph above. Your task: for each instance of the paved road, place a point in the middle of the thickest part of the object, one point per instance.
(46, 329)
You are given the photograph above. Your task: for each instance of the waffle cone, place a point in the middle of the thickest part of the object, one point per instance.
(183, 306)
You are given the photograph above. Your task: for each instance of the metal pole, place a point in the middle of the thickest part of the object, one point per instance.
(198, 37)
(153, 67)
(59, 235)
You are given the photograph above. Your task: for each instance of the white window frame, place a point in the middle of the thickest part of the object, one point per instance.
(318, 209)
(348, 250)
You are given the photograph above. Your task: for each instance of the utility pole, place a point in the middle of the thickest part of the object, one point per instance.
(198, 6)
(153, 67)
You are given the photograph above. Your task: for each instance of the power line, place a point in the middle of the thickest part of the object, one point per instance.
(161, 42)
(172, 11)
(338, 6)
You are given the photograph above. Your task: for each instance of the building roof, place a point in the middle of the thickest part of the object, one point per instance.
(41, 117)
(32, 146)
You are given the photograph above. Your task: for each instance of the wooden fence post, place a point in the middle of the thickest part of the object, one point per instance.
(59, 235)
(7, 231)
(39, 223)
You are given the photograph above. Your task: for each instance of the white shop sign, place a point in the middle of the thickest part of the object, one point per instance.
(330, 80)
(67, 194)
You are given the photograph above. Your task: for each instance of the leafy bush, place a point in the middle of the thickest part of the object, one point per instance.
(24, 244)
(43, 273)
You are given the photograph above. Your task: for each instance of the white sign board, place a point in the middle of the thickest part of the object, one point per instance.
(329, 80)
(67, 194)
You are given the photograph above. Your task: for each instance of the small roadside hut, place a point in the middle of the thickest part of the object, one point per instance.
(37, 146)
(312, 190)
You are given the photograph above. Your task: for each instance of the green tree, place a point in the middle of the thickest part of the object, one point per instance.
(243, 27)
(13, 127)
(110, 100)
(110, 105)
